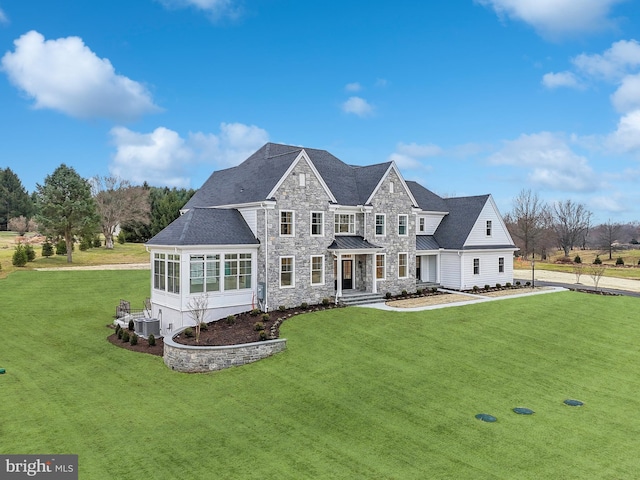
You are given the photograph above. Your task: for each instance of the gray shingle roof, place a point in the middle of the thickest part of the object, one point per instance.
(253, 179)
(206, 226)
(427, 200)
(426, 242)
(351, 242)
(455, 228)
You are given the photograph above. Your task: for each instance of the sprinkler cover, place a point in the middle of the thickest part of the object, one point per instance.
(573, 403)
(2, 370)
(485, 417)
(523, 411)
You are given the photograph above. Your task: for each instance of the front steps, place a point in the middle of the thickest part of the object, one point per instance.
(363, 298)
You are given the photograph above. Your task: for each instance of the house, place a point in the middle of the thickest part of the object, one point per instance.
(292, 225)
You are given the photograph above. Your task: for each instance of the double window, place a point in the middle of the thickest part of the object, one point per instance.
(287, 225)
(204, 273)
(345, 223)
(380, 224)
(237, 271)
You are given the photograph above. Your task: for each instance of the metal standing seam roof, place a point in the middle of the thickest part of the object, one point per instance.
(351, 242)
(426, 242)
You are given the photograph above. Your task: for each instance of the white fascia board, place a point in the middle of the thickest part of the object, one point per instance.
(261, 204)
(393, 167)
(302, 155)
(432, 212)
(347, 208)
(199, 248)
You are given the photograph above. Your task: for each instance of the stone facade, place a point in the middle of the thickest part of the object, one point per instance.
(193, 359)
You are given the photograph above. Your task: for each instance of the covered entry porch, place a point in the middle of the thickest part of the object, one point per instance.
(354, 267)
(427, 261)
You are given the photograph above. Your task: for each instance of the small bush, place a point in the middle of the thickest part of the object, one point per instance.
(85, 244)
(517, 283)
(131, 326)
(597, 260)
(434, 289)
(387, 295)
(19, 256)
(125, 336)
(97, 243)
(61, 247)
(188, 332)
(151, 340)
(498, 285)
(304, 305)
(404, 293)
(619, 261)
(577, 259)
(204, 327)
(565, 260)
(528, 284)
(326, 301)
(487, 287)
(508, 285)
(134, 339)
(47, 249)
(265, 317)
(120, 333)
(255, 312)
(231, 319)
(31, 253)
(118, 328)
(262, 335)
(121, 238)
(638, 262)
(258, 326)
(475, 288)
(282, 308)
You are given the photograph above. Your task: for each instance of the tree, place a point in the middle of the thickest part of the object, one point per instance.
(197, 307)
(570, 222)
(597, 271)
(66, 207)
(608, 234)
(526, 220)
(578, 270)
(21, 225)
(118, 202)
(14, 199)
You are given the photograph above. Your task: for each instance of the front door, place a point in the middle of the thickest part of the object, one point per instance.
(347, 274)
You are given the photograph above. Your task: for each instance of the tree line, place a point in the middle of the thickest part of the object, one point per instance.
(68, 207)
(538, 227)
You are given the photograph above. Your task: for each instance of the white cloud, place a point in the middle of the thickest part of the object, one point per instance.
(407, 155)
(554, 18)
(3, 17)
(610, 203)
(548, 162)
(65, 75)
(164, 158)
(353, 87)
(613, 64)
(626, 138)
(358, 106)
(627, 97)
(216, 9)
(562, 79)
(381, 83)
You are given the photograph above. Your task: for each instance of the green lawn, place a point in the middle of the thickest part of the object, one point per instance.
(359, 393)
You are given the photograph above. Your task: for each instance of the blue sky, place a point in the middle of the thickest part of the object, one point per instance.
(467, 96)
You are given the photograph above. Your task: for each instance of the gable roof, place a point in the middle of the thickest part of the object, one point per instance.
(255, 178)
(427, 200)
(206, 226)
(454, 229)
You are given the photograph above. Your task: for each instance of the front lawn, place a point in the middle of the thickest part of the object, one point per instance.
(359, 393)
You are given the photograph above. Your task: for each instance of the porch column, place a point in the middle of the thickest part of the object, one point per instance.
(374, 288)
(339, 277)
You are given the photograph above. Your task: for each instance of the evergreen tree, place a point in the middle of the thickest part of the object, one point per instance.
(14, 199)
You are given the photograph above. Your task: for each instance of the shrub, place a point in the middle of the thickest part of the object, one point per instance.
(304, 305)
(61, 247)
(120, 333)
(204, 327)
(517, 283)
(434, 289)
(528, 284)
(265, 317)
(231, 319)
(597, 260)
(577, 259)
(131, 326)
(121, 238)
(188, 332)
(262, 335)
(118, 328)
(134, 339)
(638, 262)
(487, 287)
(475, 288)
(258, 326)
(564, 260)
(404, 293)
(31, 253)
(97, 243)
(85, 244)
(255, 312)
(282, 308)
(125, 336)
(619, 261)
(326, 301)
(498, 285)
(508, 285)
(47, 249)
(19, 256)
(151, 340)
(387, 295)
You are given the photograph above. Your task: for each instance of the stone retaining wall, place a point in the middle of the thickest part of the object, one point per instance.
(189, 358)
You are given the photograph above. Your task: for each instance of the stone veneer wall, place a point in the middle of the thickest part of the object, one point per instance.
(193, 359)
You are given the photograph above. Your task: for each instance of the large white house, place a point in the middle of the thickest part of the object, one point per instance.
(292, 225)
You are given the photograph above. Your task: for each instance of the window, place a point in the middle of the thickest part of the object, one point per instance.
(488, 228)
(237, 271)
(402, 265)
(345, 223)
(317, 224)
(204, 273)
(302, 179)
(391, 187)
(403, 221)
(286, 223)
(421, 224)
(317, 270)
(159, 271)
(476, 266)
(380, 225)
(381, 272)
(173, 273)
(286, 272)
(501, 265)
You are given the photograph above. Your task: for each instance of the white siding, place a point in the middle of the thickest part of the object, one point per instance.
(450, 270)
(499, 234)
(250, 216)
(431, 222)
(489, 274)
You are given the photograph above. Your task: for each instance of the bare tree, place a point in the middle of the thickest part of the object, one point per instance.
(578, 270)
(197, 308)
(22, 225)
(608, 235)
(119, 202)
(526, 220)
(570, 221)
(597, 271)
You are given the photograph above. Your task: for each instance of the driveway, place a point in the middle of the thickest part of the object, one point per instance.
(568, 280)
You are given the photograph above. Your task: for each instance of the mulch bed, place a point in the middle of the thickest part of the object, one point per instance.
(220, 332)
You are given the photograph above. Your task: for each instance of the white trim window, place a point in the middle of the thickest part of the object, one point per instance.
(287, 272)
(403, 225)
(287, 223)
(159, 271)
(381, 266)
(317, 269)
(381, 227)
(204, 273)
(421, 224)
(166, 272)
(488, 228)
(237, 271)
(317, 224)
(403, 265)
(345, 223)
(500, 264)
(476, 266)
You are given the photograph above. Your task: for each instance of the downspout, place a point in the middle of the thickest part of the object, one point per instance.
(461, 270)
(266, 257)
